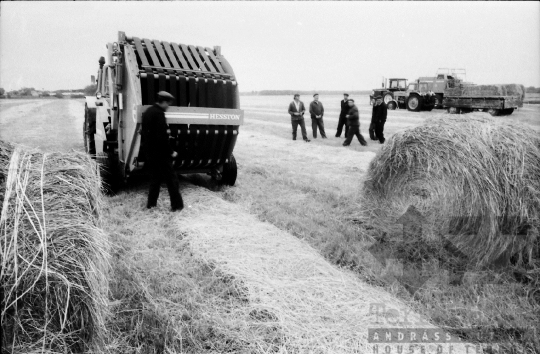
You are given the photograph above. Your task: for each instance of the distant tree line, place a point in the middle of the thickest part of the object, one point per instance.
(27, 91)
(292, 92)
(532, 89)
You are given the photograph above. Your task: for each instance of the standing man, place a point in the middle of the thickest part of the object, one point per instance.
(378, 118)
(353, 121)
(296, 110)
(342, 120)
(159, 154)
(316, 110)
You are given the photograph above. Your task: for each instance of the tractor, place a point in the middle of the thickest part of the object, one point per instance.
(417, 97)
(387, 93)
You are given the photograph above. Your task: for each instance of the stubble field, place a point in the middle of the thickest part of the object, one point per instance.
(175, 293)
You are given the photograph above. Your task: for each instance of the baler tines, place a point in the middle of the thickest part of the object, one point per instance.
(204, 118)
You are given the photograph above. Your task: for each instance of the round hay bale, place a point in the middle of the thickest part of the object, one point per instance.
(475, 181)
(53, 253)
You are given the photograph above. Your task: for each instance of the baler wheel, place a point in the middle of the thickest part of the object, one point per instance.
(89, 142)
(230, 172)
(109, 170)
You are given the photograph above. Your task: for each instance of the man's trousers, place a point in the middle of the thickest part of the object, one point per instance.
(342, 123)
(161, 170)
(379, 131)
(295, 124)
(372, 135)
(354, 130)
(317, 123)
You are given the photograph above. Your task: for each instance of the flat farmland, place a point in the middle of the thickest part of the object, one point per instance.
(268, 114)
(186, 282)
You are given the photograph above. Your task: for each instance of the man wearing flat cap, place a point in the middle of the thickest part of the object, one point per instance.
(296, 110)
(316, 110)
(353, 121)
(378, 119)
(342, 120)
(159, 154)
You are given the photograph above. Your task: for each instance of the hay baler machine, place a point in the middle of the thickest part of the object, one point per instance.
(204, 118)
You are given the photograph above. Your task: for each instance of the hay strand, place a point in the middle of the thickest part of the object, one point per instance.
(54, 254)
(316, 306)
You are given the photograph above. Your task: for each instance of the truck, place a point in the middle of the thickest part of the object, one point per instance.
(203, 119)
(444, 78)
(389, 87)
(427, 92)
(497, 100)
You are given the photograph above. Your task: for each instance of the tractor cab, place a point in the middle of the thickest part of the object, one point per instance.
(389, 87)
(397, 84)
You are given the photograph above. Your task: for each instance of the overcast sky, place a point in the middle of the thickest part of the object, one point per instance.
(280, 45)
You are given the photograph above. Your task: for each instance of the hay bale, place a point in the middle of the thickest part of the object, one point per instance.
(468, 90)
(476, 181)
(53, 253)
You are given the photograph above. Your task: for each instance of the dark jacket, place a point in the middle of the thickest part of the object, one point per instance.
(353, 116)
(292, 109)
(344, 108)
(316, 109)
(379, 113)
(155, 138)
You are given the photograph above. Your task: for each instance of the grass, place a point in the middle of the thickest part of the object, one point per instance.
(46, 124)
(165, 298)
(282, 185)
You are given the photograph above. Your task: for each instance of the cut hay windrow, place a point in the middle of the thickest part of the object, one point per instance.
(53, 253)
(316, 307)
(475, 181)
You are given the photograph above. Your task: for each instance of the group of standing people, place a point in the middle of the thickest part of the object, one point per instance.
(159, 154)
(349, 118)
(316, 111)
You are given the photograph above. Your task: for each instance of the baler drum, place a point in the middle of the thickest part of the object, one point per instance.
(196, 77)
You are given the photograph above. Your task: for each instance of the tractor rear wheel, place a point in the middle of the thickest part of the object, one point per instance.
(438, 100)
(391, 105)
(388, 97)
(88, 138)
(414, 103)
(230, 172)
